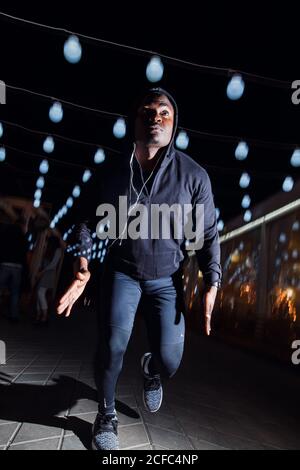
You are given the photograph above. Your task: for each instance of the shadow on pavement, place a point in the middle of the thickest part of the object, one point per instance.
(42, 404)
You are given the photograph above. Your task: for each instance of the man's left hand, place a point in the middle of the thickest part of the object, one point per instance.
(209, 298)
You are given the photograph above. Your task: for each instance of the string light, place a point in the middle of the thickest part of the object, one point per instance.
(244, 180)
(44, 167)
(99, 156)
(119, 129)
(56, 112)
(182, 140)
(220, 226)
(246, 201)
(40, 182)
(195, 132)
(204, 68)
(235, 90)
(38, 194)
(247, 216)
(288, 184)
(155, 69)
(2, 154)
(69, 202)
(48, 145)
(72, 50)
(76, 191)
(241, 152)
(86, 176)
(235, 87)
(295, 159)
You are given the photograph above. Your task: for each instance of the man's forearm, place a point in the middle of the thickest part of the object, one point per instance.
(209, 264)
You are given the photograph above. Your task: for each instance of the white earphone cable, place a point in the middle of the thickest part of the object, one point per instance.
(131, 186)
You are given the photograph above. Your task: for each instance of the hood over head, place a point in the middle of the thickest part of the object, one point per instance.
(137, 103)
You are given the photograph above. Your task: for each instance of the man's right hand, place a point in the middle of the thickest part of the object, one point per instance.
(73, 293)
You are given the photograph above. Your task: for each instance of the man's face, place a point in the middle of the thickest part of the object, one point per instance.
(154, 121)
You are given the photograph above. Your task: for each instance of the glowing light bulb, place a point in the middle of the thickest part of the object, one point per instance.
(48, 145)
(69, 202)
(86, 176)
(56, 112)
(296, 226)
(2, 154)
(1, 130)
(40, 182)
(242, 150)
(38, 194)
(76, 191)
(72, 50)
(182, 140)
(247, 216)
(155, 69)
(99, 156)
(235, 87)
(288, 184)
(44, 167)
(246, 201)
(220, 225)
(282, 237)
(295, 159)
(244, 180)
(119, 129)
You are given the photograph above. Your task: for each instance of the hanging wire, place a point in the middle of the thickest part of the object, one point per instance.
(59, 137)
(203, 134)
(214, 168)
(50, 159)
(204, 68)
(68, 103)
(234, 138)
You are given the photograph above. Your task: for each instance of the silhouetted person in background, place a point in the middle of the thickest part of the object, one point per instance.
(47, 278)
(13, 263)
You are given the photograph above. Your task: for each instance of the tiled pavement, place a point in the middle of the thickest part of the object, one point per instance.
(221, 398)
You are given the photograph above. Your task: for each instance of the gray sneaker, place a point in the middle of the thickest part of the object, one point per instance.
(152, 392)
(105, 432)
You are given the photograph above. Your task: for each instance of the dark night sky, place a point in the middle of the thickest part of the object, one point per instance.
(108, 78)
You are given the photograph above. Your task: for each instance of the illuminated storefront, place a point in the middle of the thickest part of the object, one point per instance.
(259, 303)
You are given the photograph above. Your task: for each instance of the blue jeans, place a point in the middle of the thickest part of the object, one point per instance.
(10, 278)
(121, 295)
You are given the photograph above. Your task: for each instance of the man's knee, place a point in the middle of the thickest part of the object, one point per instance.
(170, 359)
(117, 344)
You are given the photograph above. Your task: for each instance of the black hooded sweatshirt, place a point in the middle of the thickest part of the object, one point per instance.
(178, 179)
